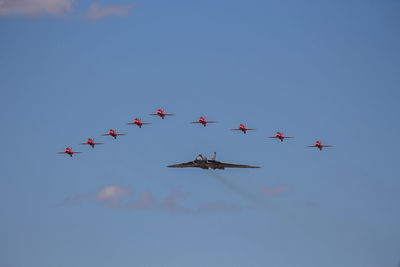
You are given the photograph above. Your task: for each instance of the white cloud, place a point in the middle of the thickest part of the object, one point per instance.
(35, 7)
(120, 197)
(112, 195)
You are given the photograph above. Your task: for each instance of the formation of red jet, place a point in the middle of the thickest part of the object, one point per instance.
(139, 122)
(69, 152)
(91, 143)
(319, 145)
(203, 120)
(161, 113)
(243, 128)
(113, 133)
(280, 136)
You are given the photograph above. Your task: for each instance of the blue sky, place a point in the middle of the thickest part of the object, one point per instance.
(315, 70)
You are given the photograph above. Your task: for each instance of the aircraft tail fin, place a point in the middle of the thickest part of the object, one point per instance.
(214, 156)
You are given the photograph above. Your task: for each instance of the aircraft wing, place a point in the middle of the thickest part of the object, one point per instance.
(230, 165)
(105, 134)
(61, 152)
(184, 165)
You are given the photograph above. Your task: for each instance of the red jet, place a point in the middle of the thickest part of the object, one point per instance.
(138, 122)
(91, 143)
(242, 127)
(69, 151)
(320, 145)
(113, 133)
(161, 113)
(280, 136)
(203, 120)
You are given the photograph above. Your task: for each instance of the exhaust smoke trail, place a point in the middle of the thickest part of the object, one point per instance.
(237, 189)
(328, 230)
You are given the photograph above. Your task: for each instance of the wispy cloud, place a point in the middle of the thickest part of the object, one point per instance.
(59, 8)
(35, 7)
(171, 203)
(145, 201)
(120, 197)
(113, 195)
(97, 11)
(277, 190)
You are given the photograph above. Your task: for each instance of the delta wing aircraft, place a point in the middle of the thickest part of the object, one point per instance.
(205, 163)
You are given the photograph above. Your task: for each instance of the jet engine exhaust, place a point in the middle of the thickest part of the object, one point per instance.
(237, 189)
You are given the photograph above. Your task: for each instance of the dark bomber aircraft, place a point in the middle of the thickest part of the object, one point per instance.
(204, 163)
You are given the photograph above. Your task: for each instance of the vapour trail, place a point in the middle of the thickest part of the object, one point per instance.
(326, 230)
(238, 190)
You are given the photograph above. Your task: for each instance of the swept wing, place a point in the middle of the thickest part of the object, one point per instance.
(184, 165)
(230, 165)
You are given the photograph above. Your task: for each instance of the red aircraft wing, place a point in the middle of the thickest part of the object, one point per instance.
(163, 114)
